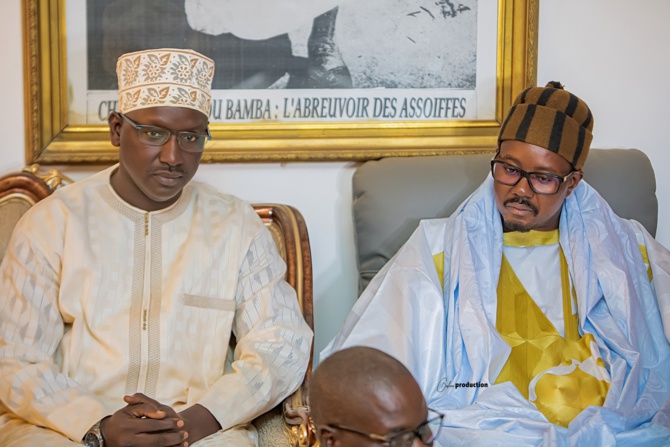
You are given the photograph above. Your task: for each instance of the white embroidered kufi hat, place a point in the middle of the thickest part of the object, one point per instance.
(165, 78)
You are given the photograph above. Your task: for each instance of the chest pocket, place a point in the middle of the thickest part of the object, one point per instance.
(207, 324)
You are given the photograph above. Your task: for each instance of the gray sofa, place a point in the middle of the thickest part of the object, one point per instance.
(391, 195)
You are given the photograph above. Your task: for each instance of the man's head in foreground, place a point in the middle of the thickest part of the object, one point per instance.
(361, 396)
(161, 125)
(542, 147)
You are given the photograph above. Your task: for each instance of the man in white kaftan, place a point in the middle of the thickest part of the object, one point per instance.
(522, 334)
(101, 298)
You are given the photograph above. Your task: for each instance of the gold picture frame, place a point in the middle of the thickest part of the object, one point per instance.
(50, 139)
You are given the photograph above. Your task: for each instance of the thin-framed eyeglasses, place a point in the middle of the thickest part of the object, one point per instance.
(540, 182)
(158, 136)
(427, 431)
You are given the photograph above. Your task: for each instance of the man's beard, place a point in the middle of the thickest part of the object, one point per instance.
(515, 226)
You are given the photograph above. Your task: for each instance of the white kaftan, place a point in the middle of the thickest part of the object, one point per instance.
(444, 328)
(99, 299)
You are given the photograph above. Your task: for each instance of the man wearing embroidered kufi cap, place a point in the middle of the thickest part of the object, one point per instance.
(127, 287)
(533, 315)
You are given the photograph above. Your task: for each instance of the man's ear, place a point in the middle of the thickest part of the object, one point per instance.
(115, 122)
(574, 180)
(326, 436)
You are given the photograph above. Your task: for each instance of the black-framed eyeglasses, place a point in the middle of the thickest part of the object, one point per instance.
(427, 431)
(158, 136)
(540, 182)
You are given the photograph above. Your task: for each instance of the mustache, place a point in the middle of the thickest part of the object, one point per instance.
(521, 201)
(166, 168)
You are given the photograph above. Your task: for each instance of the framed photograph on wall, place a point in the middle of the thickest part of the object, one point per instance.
(295, 80)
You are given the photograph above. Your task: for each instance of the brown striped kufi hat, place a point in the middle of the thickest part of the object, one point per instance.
(165, 78)
(552, 118)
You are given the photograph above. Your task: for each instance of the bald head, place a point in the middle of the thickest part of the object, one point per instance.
(365, 389)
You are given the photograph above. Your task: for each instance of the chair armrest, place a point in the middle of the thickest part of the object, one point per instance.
(296, 415)
(289, 232)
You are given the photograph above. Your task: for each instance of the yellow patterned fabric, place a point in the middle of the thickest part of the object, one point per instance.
(645, 259)
(438, 259)
(560, 375)
(166, 77)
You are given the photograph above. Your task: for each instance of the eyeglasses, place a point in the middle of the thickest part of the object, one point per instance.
(158, 136)
(540, 182)
(427, 431)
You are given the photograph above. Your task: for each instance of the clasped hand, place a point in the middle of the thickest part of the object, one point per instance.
(144, 422)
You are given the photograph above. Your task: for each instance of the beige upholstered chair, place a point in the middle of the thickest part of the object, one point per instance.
(288, 424)
(18, 192)
(391, 195)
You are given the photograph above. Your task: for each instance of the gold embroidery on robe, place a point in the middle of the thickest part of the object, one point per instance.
(438, 259)
(560, 375)
(645, 258)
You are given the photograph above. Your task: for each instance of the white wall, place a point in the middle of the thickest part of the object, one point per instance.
(613, 54)
(606, 51)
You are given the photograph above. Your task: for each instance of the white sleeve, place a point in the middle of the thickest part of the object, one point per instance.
(31, 328)
(273, 340)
